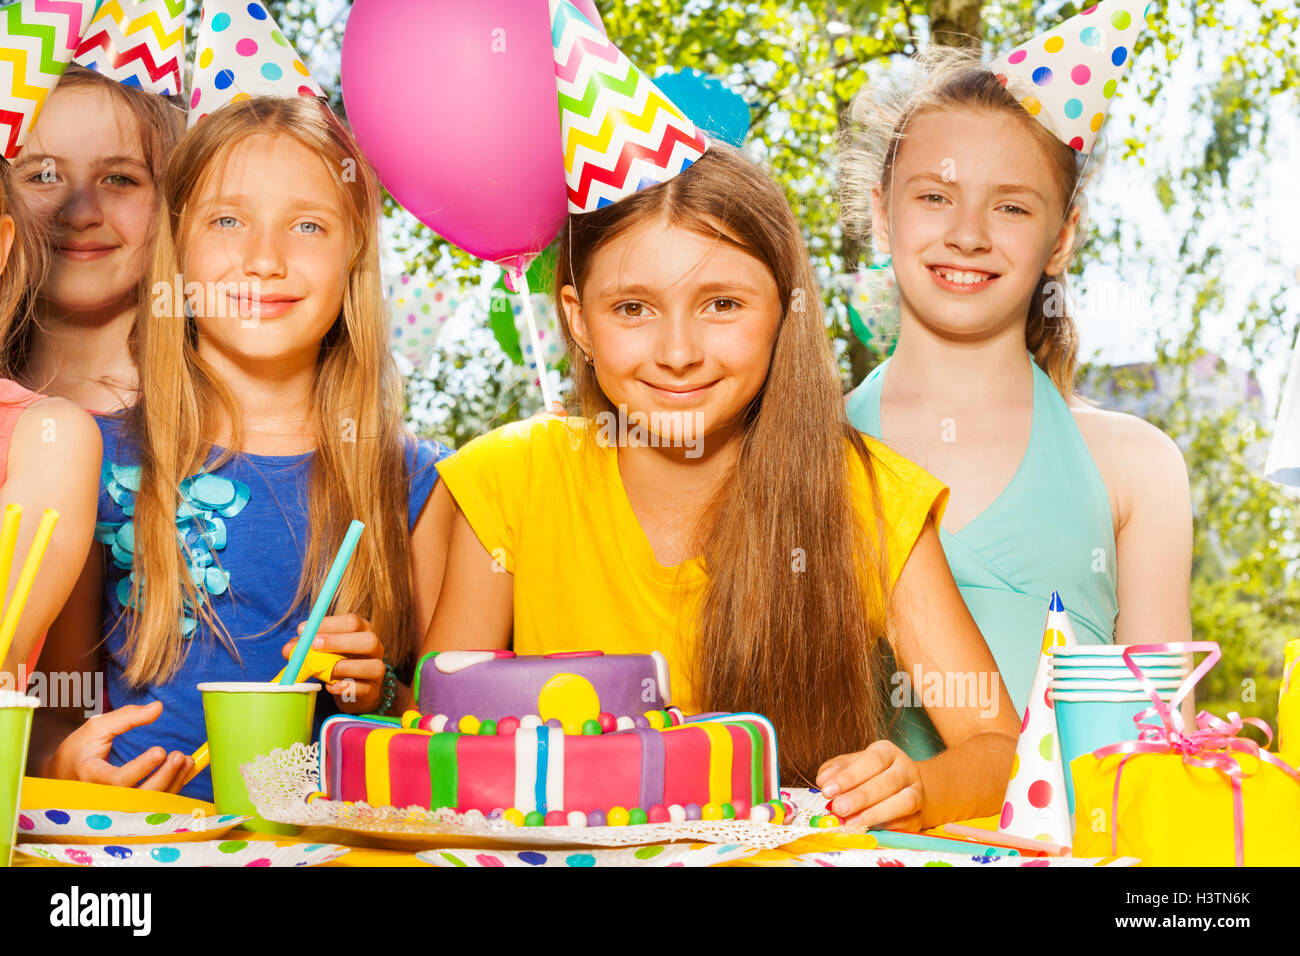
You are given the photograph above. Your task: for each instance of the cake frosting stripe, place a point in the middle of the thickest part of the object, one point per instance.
(652, 768)
(377, 773)
(444, 778)
(755, 760)
(539, 786)
(720, 755)
(526, 769)
(555, 768)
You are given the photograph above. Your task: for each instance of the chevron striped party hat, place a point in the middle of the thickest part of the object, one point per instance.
(1066, 77)
(139, 43)
(38, 39)
(241, 54)
(620, 133)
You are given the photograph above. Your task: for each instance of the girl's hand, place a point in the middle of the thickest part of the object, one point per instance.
(83, 753)
(879, 787)
(358, 683)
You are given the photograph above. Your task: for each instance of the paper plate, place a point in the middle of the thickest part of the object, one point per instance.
(115, 826)
(210, 853)
(682, 854)
(895, 858)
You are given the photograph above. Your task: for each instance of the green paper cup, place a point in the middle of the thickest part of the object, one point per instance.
(15, 732)
(245, 721)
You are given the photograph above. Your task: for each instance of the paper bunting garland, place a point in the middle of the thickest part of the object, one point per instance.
(1067, 77)
(417, 312)
(873, 305)
(241, 54)
(1035, 805)
(39, 39)
(1283, 464)
(620, 133)
(139, 43)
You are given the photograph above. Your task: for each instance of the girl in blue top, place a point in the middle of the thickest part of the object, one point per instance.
(269, 418)
(978, 205)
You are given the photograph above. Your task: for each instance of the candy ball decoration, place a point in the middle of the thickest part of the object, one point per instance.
(636, 816)
(741, 806)
(488, 728)
(618, 816)
(658, 814)
(556, 818)
(454, 104)
(530, 722)
(712, 811)
(576, 818)
(761, 813)
(693, 811)
(591, 728)
(596, 818)
(607, 722)
(676, 813)
(514, 816)
(507, 726)
(534, 819)
(469, 724)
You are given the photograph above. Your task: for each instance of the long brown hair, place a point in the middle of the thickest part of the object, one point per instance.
(799, 643)
(359, 467)
(22, 275)
(953, 79)
(160, 121)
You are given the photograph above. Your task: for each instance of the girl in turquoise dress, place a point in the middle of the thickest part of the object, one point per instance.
(979, 205)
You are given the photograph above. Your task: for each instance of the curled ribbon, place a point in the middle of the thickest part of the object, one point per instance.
(1214, 742)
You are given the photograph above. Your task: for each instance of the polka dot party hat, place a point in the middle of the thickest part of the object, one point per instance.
(37, 42)
(1067, 77)
(1035, 805)
(241, 54)
(417, 311)
(139, 43)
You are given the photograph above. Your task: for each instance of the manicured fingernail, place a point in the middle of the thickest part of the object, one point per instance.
(318, 642)
(830, 789)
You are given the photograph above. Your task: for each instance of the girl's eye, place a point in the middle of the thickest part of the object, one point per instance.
(1015, 209)
(929, 196)
(632, 310)
(725, 305)
(226, 222)
(44, 176)
(120, 179)
(312, 228)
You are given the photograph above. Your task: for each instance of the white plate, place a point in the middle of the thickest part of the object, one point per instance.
(114, 826)
(212, 853)
(681, 854)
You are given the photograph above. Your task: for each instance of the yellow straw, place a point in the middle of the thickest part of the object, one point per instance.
(8, 540)
(25, 580)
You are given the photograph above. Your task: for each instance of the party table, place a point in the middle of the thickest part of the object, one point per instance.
(370, 851)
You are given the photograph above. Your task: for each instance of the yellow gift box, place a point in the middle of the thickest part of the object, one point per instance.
(1171, 813)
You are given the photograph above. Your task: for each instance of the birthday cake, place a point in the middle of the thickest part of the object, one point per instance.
(574, 739)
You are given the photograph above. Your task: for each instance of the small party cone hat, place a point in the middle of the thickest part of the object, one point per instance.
(139, 43)
(1035, 806)
(620, 133)
(38, 39)
(241, 54)
(1067, 77)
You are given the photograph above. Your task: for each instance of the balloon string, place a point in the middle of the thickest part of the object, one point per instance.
(543, 379)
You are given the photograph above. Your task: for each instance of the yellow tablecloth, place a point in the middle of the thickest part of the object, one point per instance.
(39, 793)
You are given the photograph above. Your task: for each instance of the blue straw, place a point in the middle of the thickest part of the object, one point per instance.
(323, 602)
(893, 840)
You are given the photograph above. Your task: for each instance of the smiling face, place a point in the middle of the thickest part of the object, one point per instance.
(676, 322)
(268, 240)
(970, 238)
(82, 172)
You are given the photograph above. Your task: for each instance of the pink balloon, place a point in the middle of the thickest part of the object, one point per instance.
(454, 103)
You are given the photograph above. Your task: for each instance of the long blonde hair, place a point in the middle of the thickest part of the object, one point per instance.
(953, 79)
(23, 274)
(802, 647)
(357, 472)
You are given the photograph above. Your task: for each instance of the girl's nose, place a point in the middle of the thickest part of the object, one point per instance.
(678, 347)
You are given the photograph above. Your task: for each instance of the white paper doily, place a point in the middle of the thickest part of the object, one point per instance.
(280, 782)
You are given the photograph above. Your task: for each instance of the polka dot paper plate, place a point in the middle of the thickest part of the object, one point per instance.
(112, 826)
(682, 854)
(209, 853)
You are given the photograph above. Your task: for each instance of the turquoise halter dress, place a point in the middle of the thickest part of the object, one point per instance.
(1049, 530)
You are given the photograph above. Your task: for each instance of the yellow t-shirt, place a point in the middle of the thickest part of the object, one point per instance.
(547, 501)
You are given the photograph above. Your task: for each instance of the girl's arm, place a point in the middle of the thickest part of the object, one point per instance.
(936, 634)
(476, 606)
(54, 458)
(65, 742)
(1153, 547)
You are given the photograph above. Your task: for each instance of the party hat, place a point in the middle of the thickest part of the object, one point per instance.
(620, 133)
(38, 39)
(139, 43)
(1066, 77)
(1035, 804)
(241, 54)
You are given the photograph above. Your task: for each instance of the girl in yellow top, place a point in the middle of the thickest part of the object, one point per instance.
(715, 504)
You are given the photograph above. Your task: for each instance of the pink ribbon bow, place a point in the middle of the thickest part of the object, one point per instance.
(1214, 743)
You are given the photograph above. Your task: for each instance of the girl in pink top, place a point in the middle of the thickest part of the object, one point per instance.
(49, 452)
